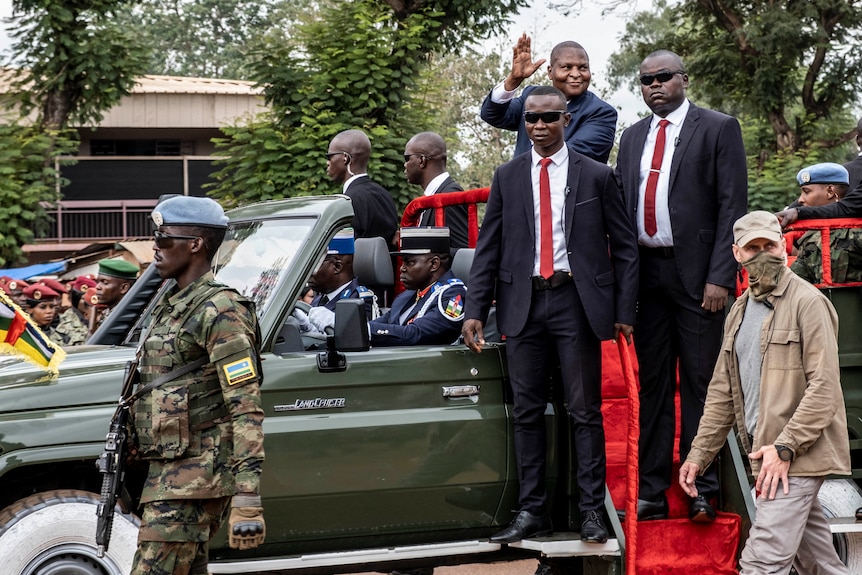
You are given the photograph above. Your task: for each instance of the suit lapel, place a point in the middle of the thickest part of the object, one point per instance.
(689, 126)
(571, 196)
(633, 177)
(523, 175)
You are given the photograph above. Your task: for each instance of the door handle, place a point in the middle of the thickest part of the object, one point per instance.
(460, 391)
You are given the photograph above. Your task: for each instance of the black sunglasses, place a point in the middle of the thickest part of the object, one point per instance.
(164, 240)
(662, 77)
(546, 117)
(330, 155)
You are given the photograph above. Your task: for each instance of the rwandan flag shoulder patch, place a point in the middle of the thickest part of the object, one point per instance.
(239, 371)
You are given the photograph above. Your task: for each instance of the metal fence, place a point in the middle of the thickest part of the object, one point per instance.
(96, 220)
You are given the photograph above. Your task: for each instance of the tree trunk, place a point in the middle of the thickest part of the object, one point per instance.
(55, 110)
(785, 137)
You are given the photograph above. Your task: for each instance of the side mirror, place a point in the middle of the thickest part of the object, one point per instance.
(351, 326)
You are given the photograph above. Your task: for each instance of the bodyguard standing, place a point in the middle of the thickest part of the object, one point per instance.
(683, 175)
(558, 249)
(201, 432)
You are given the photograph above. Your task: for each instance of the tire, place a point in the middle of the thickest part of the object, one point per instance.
(53, 533)
(841, 498)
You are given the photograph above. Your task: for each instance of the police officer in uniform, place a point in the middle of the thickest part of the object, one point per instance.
(201, 432)
(431, 310)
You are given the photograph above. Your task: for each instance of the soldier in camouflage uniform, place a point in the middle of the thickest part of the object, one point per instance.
(201, 433)
(822, 184)
(74, 326)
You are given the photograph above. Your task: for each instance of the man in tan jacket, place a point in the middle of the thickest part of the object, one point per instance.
(777, 378)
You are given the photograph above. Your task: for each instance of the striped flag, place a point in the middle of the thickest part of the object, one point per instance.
(20, 336)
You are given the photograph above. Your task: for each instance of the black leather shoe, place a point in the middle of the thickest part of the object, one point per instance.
(524, 525)
(859, 514)
(593, 529)
(649, 510)
(701, 511)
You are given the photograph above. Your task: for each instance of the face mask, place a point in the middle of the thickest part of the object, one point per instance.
(763, 269)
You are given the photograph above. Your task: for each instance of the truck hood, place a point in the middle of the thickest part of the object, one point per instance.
(90, 375)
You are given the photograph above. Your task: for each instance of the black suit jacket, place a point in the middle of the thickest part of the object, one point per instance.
(708, 192)
(374, 211)
(854, 168)
(456, 216)
(602, 249)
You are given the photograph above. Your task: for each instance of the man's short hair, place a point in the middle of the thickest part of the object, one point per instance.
(212, 237)
(548, 91)
(568, 44)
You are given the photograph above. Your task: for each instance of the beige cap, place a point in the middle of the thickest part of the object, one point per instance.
(754, 225)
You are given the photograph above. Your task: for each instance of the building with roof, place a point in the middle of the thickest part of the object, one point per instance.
(156, 141)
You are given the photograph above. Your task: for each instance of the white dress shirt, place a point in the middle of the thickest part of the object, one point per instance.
(349, 180)
(664, 234)
(558, 174)
(435, 184)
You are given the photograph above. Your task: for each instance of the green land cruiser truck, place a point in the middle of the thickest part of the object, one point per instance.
(376, 459)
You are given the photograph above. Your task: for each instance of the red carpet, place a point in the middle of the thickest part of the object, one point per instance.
(675, 546)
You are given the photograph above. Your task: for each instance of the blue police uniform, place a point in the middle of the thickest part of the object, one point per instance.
(435, 318)
(352, 291)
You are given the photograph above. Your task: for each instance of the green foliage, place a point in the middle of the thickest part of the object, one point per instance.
(76, 61)
(25, 183)
(203, 38)
(789, 63)
(455, 85)
(346, 65)
(787, 70)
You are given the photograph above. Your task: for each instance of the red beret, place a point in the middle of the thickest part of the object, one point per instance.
(55, 285)
(81, 283)
(40, 292)
(91, 296)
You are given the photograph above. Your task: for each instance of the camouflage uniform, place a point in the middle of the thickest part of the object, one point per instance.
(846, 248)
(202, 432)
(72, 329)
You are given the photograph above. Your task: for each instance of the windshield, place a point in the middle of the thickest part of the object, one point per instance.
(255, 255)
(253, 260)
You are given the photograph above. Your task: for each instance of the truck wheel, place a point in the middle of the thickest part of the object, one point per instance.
(53, 533)
(841, 498)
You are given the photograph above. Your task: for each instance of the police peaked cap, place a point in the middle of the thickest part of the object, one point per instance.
(342, 243)
(826, 173)
(190, 211)
(118, 268)
(416, 241)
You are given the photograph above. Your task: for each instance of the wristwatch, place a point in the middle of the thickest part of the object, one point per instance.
(784, 452)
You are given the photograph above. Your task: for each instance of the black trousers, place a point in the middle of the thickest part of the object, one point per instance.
(671, 328)
(557, 322)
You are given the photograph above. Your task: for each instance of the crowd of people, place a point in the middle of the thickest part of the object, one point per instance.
(69, 312)
(571, 252)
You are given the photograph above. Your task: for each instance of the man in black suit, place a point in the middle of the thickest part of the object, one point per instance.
(373, 207)
(854, 166)
(425, 165)
(559, 249)
(682, 172)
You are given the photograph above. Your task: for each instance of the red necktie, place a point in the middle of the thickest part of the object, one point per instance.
(546, 251)
(652, 180)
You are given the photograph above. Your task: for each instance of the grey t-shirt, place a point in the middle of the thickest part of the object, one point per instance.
(750, 359)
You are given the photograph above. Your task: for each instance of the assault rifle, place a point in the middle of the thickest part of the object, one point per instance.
(112, 462)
